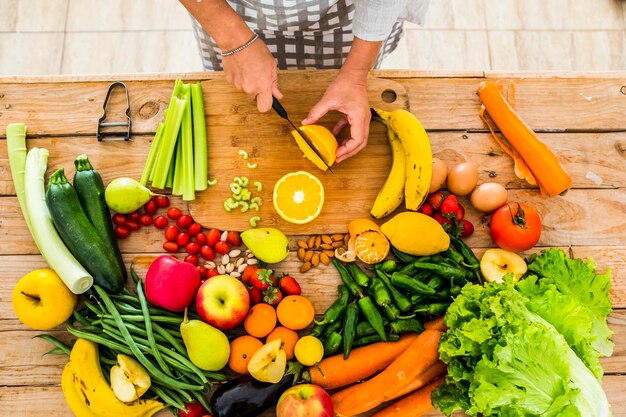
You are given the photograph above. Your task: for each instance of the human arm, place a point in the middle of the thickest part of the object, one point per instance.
(253, 69)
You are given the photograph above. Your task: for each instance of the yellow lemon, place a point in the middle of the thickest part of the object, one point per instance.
(416, 234)
(309, 350)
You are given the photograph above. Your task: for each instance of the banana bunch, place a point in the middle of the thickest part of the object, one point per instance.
(412, 167)
(87, 392)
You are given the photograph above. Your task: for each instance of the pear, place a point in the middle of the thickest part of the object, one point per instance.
(207, 347)
(496, 263)
(125, 195)
(129, 379)
(268, 244)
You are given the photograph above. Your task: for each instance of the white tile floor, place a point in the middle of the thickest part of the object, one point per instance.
(39, 37)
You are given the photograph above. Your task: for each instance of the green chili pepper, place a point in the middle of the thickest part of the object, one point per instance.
(381, 296)
(402, 301)
(332, 327)
(350, 322)
(332, 344)
(411, 284)
(387, 266)
(371, 313)
(337, 307)
(416, 299)
(352, 286)
(405, 258)
(471, 261)
(435, 259)
(435, 282)
(317, 330)
(358, 275)
(364, 328)
(442, 270)
(406, 325)
(433, 309)
(368, 340)
(452, 254)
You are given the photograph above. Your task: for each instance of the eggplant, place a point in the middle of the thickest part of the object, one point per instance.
(244, 396)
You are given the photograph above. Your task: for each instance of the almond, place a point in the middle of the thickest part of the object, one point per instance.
(325, 259)
(329, 253)
(303, 244)
(326, 239)
(326, 246)
(315, 260)
(305, 266)
(301, 252)
(318, 241)
(337, 237)
(308, 255)
(338, 244)
(311, 242)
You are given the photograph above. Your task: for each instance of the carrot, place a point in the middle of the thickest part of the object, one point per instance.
(417, 358)
(427, 376)
(336, 372)
(436, 324)
(414, 405)
(543, 164)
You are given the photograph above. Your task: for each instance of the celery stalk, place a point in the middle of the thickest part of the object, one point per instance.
(188, 183)
(16, 148)
(200, 162)
(152, 153)
(177, 183)
(168, 139)
(169, 181)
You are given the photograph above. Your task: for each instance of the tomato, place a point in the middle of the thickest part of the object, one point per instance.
(160, 222)
(171, 232)
(150, 207)
(213, 236)
(515, 227)
(162, 201)
(184, 221)
(194, 229)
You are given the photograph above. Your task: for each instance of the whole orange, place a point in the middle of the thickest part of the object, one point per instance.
(287, 336)
(295, 312)
(241, 350)
(261, 320)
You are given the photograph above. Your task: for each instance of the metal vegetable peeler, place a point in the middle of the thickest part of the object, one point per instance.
(117, 134)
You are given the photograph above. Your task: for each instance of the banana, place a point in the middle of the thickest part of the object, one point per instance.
(391, 194)
(419, 157)
(87, 392)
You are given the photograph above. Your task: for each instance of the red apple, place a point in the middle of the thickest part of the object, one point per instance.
(223, 302)
(305, 400)
(171, 284)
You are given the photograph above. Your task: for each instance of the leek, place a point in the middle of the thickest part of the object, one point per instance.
(200, 162)
(16, 148)
(50, 244)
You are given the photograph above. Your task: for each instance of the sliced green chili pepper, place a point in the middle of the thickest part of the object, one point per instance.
(332, 344)
(350, 322)
(405, 326)
(368, 340)
(402, 301)
(371, 313)
(411, 284)
(352, 286)
(337, 308)
(358, 275)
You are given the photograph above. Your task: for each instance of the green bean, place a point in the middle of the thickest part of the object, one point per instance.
(172, 340)
(101, 340)
(139, 317)
(60, 347)
(167, 399)
(179, 395)
(133, 346)
(201, 399)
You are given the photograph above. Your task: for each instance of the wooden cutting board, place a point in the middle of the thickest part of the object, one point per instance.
(269, 143)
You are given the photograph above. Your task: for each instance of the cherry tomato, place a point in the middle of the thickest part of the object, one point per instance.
(174, 213)
(515, 227)
(192, 248)
(171, 232)
(182, 238)
(118, 219)
(202, 270)
(222, 248)
(192, 259)
(194, 229)
(133, 216)
(121, 231)
(160, 222)
(233, 238)
(213, 236)
(200, 238)
(171, 247)
(162, 201)
(133, 224)
(207, 253)
(150, 207)
(145, 220)
(184, 221)
(211, 272)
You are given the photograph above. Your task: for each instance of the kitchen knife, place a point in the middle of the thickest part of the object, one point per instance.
(280, 110)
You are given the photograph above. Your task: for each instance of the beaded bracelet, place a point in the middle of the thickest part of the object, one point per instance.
(242, 47)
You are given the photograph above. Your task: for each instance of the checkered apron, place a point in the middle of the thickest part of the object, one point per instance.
(300, 34)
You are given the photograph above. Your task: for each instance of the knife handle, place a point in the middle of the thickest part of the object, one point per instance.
(278, 108)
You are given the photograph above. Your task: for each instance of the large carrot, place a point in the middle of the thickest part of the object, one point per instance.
(427, 376)
(363, 362)
(413, 405)
(417, 358)
(436, 324)
(544, 165)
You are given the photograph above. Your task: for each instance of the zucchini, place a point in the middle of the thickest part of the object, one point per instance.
(79, 234)
(90, 189)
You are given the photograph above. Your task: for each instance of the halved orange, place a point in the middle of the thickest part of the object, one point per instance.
(298, 197)
(322, 139)
(371, 246)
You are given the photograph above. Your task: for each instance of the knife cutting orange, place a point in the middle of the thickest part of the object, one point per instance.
(307, 146)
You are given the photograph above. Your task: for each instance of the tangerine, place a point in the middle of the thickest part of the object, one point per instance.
(241, 350)
(371, 246)
(261, 320)
(287, 336)
(295, 312)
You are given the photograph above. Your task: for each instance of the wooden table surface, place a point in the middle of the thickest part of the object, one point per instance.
(582, 118)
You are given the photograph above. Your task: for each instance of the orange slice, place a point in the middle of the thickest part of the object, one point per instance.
(322, 139)
(298, 197)
(371, 246)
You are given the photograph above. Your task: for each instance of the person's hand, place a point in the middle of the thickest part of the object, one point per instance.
(348, 95)
(253, 70)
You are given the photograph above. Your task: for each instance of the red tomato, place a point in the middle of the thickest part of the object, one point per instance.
(192, 248)
(133, 224)
(150, 207)
(119, 219)
(170, 247)
(200, 238)
(160, 222)
(162, 201)
(192, 259)
(171, 232)
(213, 236)
(207, 252)
(121, 231)
(222, 248)
(515, 227)
(233, 238)
(194, 229)
(182, 238)
(174, 213)
(184, 221)
(145, 220)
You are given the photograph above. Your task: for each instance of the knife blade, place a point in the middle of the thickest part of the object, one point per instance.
(280, 110)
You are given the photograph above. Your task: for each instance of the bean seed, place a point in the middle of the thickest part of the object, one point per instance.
(225, 259)
(305, 266)
(326, 239)
(252, 261)
(326, 246)
(301, 252)
(308, 255)
(337, 237)
(230, 268)
(234, 253)
(221, 269)
(235, 274)
(324, 258)
(315, 260)
(311, 242)
(302, 244)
